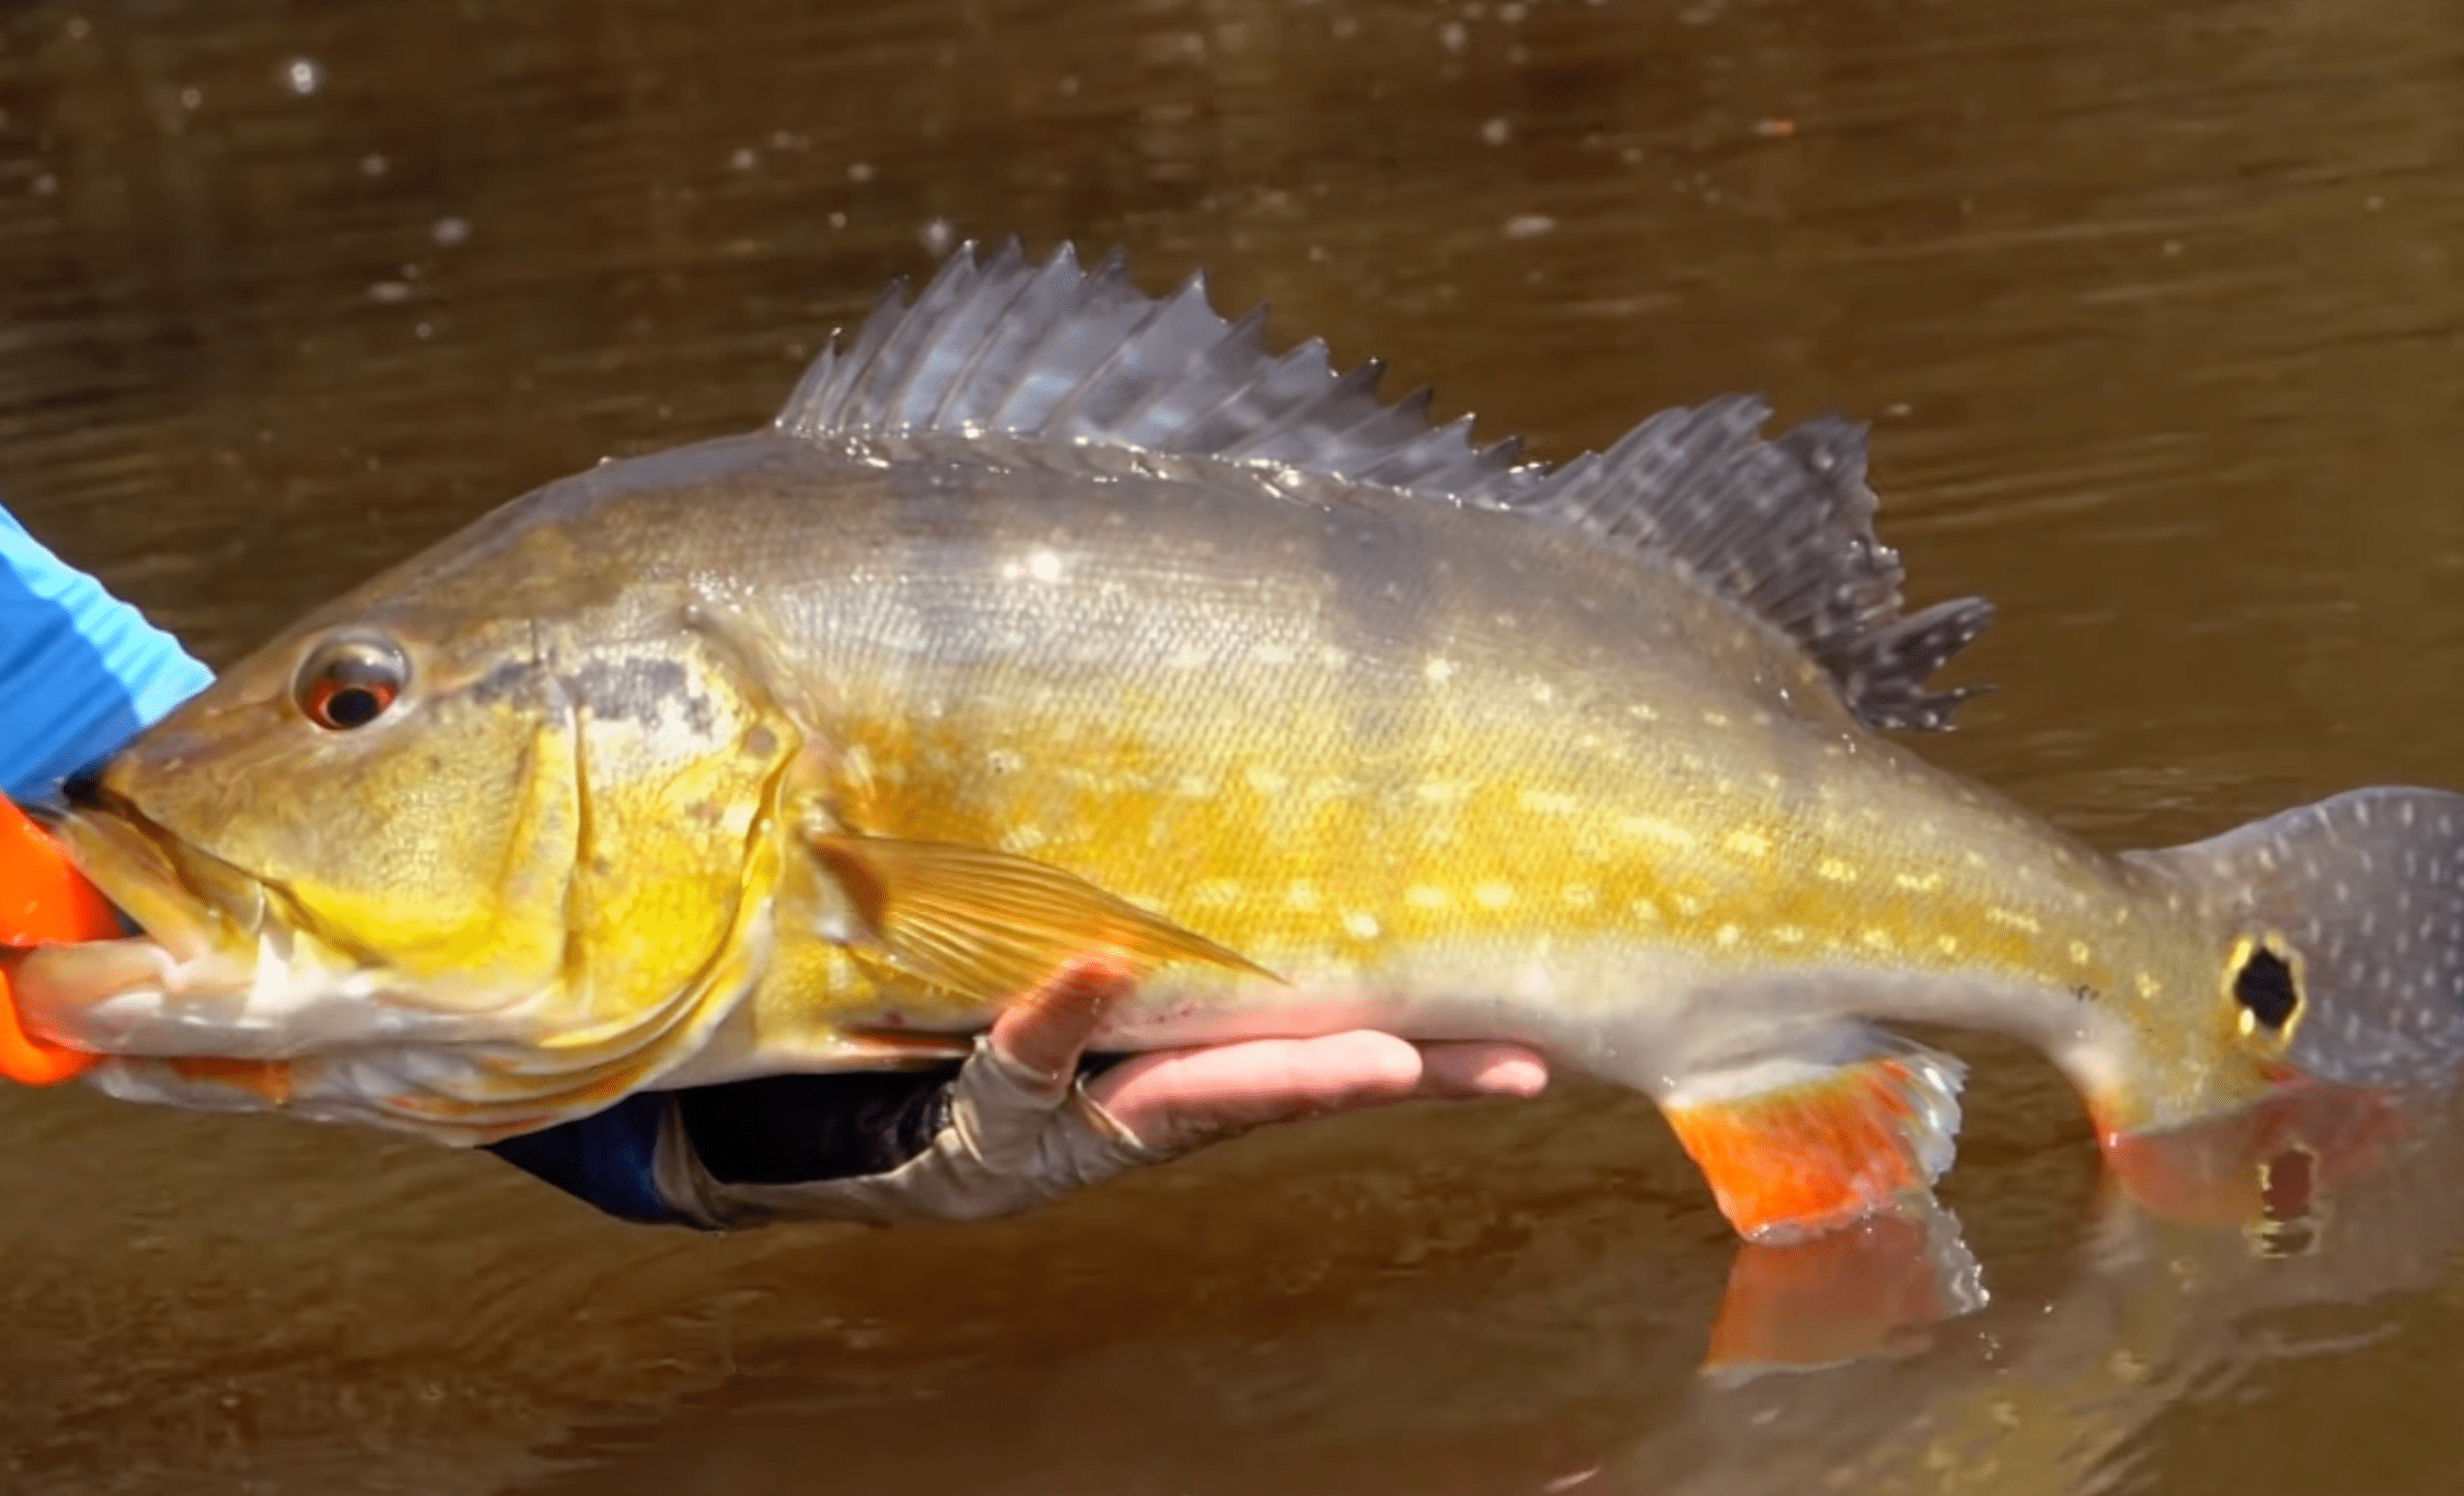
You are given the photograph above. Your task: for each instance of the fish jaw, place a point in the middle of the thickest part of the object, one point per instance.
(322, 1038)
(254, 1011)
(223, 968)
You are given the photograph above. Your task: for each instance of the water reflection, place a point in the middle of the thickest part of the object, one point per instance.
(2155, 309)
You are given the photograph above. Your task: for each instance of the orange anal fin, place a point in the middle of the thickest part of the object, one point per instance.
(1819, 1151)
(268, 1080)
(1870, 1290)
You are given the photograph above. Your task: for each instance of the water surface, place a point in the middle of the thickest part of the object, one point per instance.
(2156, 312)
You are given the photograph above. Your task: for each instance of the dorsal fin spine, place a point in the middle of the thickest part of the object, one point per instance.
(1006, 260)
(1245, 328)
(1043, 305)
(1094, 380)
(906, 357)
(1110, 268)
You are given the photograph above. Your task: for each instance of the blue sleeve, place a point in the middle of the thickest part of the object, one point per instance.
(605, 1159)
(81, 671)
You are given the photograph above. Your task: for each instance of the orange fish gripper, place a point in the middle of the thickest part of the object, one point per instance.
(43, 901)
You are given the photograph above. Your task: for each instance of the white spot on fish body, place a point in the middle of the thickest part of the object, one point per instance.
(1651, 828)
(1948, 945)
(1443, 792)
(1360, 927)
(1541, 802)
(1216, 892)
(1022, 839)
(1332, 657)
(1789, 935)
(1265, 780)
(2013, 919)
(1493, 895)
(1423, 896)
(2148, 985)
(1714, 718)
(1274, 654)
(1581, 896)
(1190, 786)
(1543, 692)
(1750, 844)
(1688, 905)
(1878, 939)
(1915, 884)
(1645, 910)
(1727, 935)
(1438, 671)
(1832, 870)
(2080, 952)
(1301, 895)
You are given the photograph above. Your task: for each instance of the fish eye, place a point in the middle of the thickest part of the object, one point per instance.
(351, 683)
(2268, 987)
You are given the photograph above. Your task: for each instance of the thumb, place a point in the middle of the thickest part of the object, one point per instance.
(1046, 1030)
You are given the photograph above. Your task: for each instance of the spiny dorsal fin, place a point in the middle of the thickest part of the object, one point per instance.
(1783, 528)
(1069, 356)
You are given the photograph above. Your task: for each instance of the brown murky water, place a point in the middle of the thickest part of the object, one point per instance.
(2158, 311)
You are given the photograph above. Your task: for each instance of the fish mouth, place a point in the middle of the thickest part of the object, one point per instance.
(182, 987)
(234, 999)
(194, 906)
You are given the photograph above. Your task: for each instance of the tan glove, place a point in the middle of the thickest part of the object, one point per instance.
(1015, 1136)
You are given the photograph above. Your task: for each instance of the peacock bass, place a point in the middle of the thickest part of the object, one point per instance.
(1054, 619)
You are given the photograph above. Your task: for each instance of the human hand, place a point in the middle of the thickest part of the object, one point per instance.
(1174, 1100)
(1021, 1128)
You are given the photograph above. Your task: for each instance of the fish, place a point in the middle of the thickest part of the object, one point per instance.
(1051, 620)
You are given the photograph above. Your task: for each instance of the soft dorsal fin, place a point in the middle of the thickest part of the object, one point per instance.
(1783, 529)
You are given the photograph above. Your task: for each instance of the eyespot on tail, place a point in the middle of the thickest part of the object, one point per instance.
(2346, 960)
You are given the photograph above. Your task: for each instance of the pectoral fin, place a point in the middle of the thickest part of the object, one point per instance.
(1793, 1145)
(991, 926)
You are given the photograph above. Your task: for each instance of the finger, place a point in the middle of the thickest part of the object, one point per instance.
(1181, 1098)
(1462, 1070)
(1046, 1030)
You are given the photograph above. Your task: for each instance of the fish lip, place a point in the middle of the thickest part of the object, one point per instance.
(150, 877)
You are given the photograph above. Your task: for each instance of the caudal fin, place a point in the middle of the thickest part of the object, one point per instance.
(2352, 914)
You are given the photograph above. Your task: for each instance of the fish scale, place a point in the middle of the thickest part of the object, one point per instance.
(1049, 618)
